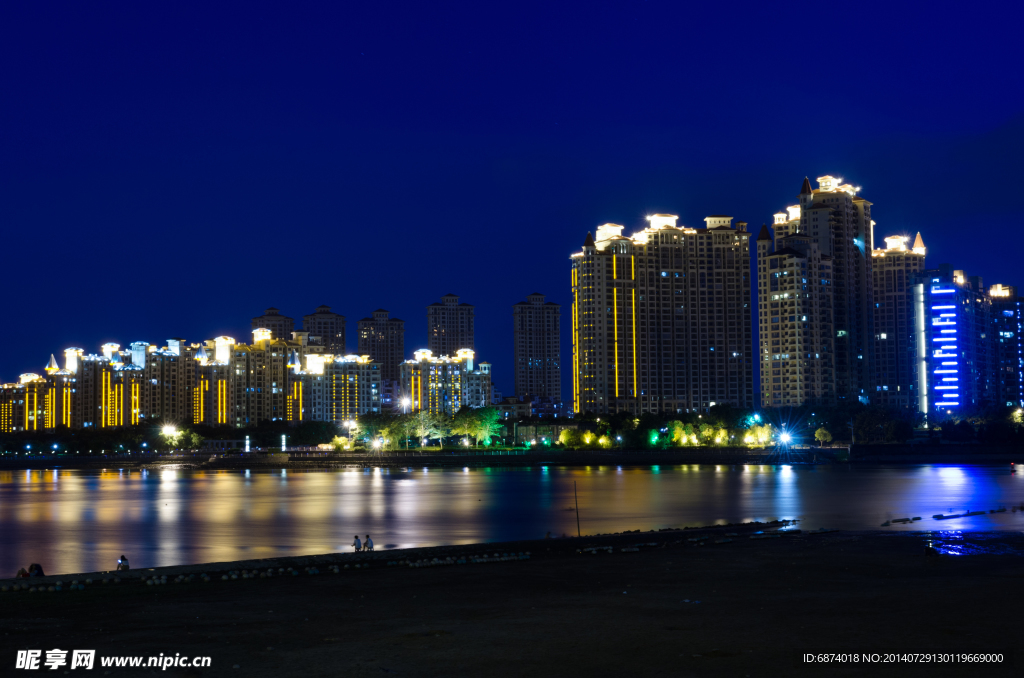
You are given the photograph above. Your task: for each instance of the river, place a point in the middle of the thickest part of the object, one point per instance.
(81, 520)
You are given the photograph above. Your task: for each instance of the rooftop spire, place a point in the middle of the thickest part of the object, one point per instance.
(806, 188)
(52, 366)
(589, 242)
(918, 247)
(764, 234)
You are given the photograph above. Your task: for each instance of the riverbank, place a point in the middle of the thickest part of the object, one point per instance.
(680, 602)
(447, 458)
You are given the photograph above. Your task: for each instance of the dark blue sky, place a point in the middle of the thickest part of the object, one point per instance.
(174, 170)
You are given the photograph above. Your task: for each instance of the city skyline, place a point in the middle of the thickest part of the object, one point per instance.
(785, 223)
(336, 144)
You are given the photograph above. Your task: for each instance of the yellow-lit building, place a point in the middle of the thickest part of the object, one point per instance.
(262, 377)
(662, 319)
(443, 384)
(23, 405)
(334, 388)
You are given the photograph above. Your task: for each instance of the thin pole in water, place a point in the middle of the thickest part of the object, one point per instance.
(577, 498)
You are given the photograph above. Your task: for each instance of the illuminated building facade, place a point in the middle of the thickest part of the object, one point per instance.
(23, 405)
(956, 355)
(449, 326)
(444, 384)
(326, 329)
(839, 223)
(261, 374)
(335, 388)
(536, 332)
(169, 379)
(383, 339)
(794, 293)
(59, 396)
(662, 320)
(893, 270)
(1006, 336)
(280, 326)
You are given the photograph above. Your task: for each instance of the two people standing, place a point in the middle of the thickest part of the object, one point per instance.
(361, 546)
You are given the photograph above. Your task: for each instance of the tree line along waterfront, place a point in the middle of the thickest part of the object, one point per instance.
(483, 428)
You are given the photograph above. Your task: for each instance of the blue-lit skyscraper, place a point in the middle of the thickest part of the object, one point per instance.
(955, 351)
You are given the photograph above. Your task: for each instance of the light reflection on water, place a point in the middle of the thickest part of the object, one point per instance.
(76, 521)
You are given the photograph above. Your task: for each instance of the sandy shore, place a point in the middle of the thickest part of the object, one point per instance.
(762, 603)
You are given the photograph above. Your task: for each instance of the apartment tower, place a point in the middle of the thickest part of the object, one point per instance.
(280, 326)
(839, 223)
(661, 320)
(794, 298)
(956, 357)
(328, 328)
(893, 270)
(449, 326)
(383, 339)
(536, 336)
(1006, 335)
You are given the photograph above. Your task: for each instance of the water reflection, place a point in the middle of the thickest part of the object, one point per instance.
(73, 521)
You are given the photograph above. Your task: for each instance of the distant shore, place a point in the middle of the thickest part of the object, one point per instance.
(913, 454)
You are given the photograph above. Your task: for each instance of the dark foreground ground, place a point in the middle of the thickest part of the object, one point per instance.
(763, 603)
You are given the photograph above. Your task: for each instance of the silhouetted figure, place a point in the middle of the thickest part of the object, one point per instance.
(357, 544)
(368, 544)
(35, 570)
(122, 563)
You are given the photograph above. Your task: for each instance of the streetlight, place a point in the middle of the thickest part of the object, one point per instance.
(405, 410)
(169, 430)
(785, 438)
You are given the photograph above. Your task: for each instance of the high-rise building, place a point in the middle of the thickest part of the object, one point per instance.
(23, 404)
(794, 295)
(449, 326)
(537, 335)
(328, 329)
(445, 384)
(335, 388)
(261, 374)
(169, 380)
(956, 354)
(662, 320)
(1006, 335)
(893, 270)
(60, 396)
(383, 339)
(839, 223)
(280, 326)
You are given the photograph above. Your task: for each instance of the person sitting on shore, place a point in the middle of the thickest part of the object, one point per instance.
(122, 563)
(369, 544)
(35, 570)
(22, 573)
(357, 544)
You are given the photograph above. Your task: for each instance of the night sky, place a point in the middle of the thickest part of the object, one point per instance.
(174, 170)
